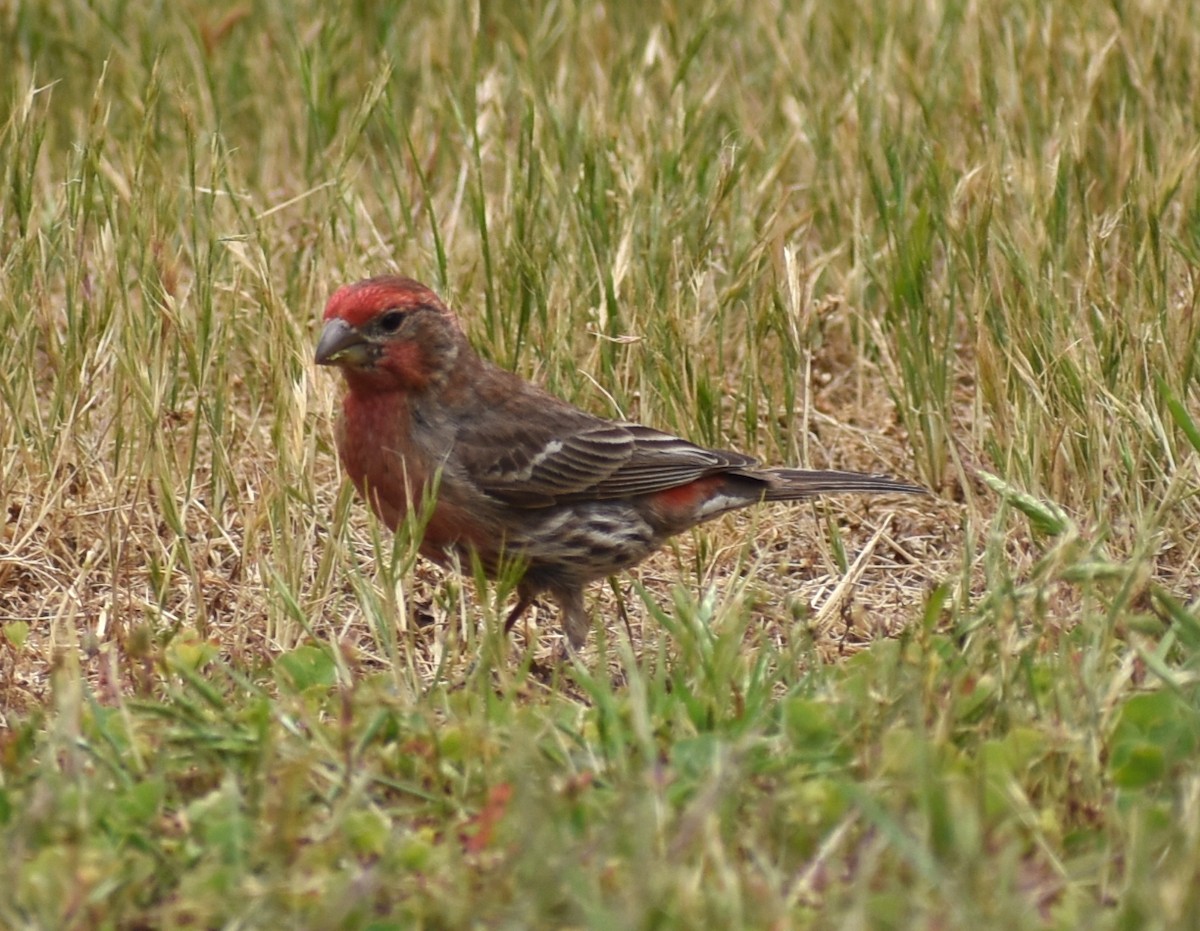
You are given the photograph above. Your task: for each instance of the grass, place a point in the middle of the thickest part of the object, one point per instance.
(957, 242)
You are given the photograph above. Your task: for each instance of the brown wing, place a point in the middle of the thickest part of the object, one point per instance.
(660, 460)
(557, 453)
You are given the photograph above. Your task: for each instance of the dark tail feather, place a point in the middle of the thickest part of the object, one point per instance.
(791, 484)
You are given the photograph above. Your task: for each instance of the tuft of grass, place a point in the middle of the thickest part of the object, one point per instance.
(954, 242)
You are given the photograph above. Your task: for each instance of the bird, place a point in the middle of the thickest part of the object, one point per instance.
(515, 476)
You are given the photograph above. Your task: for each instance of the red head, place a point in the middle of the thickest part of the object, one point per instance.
(388, 334)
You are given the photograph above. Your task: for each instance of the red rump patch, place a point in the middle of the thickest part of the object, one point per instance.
(686, 498)
(359, 302)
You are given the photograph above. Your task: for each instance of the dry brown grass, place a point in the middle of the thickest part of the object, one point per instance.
(953, 242)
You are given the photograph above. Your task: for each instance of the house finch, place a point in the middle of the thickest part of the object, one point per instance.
(519, 474)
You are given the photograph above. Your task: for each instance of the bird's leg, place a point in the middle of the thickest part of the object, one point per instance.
(848, 629)
(575, 621)
(621, 612)
(522, 605)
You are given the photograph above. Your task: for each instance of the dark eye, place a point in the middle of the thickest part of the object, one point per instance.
(390, 321)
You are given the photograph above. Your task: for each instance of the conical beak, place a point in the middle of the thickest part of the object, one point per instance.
(341, 344)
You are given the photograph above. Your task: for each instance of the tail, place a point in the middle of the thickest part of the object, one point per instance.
(795, 484)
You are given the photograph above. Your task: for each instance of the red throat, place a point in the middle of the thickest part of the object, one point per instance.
(406, 363)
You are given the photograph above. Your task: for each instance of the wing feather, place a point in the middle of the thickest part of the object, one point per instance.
(565, 454)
